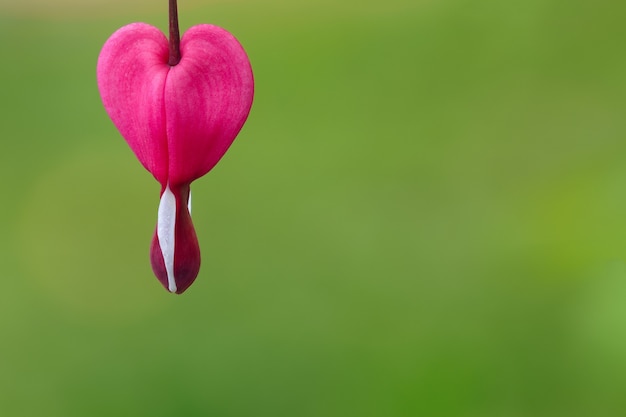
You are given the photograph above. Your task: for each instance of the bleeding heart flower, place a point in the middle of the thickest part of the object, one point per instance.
(179, 108)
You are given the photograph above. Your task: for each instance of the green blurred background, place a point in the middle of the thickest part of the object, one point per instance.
(425, 215)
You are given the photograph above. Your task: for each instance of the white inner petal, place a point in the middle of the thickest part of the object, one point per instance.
(166, 232)
(189, 203)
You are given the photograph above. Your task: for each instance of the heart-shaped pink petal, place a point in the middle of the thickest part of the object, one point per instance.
(178, 120)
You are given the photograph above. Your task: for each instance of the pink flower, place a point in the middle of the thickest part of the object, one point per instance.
(179, 120)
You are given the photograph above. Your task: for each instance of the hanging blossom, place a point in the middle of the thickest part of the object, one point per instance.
(179, 104)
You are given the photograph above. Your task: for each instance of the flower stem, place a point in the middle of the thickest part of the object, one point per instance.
(174, 35)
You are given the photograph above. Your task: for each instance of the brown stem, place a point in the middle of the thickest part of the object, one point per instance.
(174, 35)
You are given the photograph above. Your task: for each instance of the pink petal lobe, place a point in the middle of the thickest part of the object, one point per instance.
(175, 263)
(208, 96)
(131, 71)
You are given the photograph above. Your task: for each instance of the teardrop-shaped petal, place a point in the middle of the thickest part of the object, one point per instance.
(208, 96)
(132, 68)
(175, 253)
